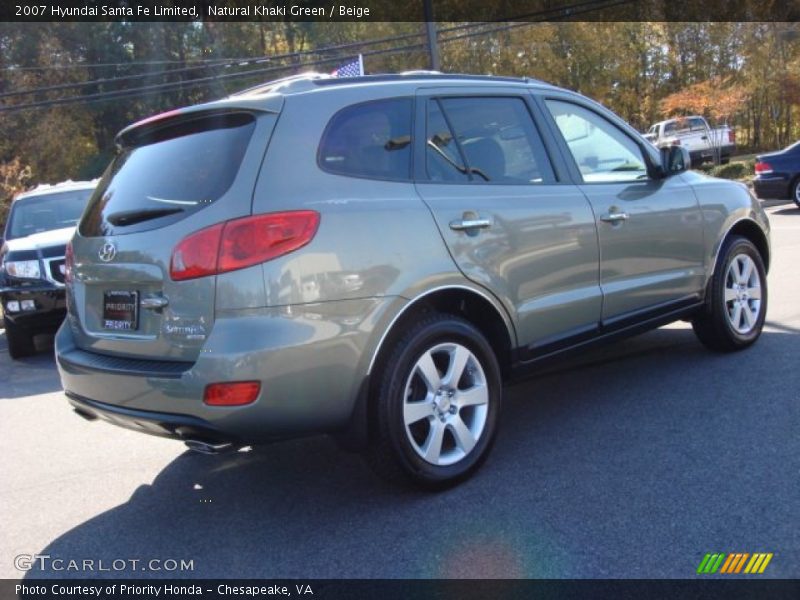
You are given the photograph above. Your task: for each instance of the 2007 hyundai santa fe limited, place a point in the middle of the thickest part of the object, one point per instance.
(373, 257)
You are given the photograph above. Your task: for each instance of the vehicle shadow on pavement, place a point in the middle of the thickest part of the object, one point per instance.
(28, 376)
(653, 447)
(794, 211)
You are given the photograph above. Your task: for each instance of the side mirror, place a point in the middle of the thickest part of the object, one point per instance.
(675, 159)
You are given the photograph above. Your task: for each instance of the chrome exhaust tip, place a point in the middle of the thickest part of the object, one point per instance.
(208, 448)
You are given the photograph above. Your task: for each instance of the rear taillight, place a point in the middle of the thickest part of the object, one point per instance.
(69, 263)
(676, 142)
(237, 393)
(196, 255)
(242, 243)
(731, 136)
(763, 168)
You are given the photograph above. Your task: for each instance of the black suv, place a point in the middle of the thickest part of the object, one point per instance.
(40, 223)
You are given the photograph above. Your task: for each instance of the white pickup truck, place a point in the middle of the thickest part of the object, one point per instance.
(694, 134)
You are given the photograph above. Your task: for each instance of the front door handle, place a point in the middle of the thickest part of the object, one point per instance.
(615, 217)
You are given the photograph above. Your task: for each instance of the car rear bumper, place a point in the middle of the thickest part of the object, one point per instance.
(776, 187)
(310, 360)
(183, 427)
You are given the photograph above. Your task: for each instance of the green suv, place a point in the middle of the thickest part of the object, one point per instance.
(374, 257)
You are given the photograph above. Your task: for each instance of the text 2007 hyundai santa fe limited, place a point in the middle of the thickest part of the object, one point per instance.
(373, 257)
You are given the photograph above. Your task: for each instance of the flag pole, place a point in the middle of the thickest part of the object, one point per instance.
(361, 64)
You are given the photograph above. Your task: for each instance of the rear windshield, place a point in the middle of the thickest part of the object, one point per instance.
(168, 174)
(36, 214)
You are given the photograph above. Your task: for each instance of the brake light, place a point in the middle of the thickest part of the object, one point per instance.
(260, 238)
(731, 136)
(197, 254)
(69, 263)
(763, 168)
(242, 243)
(237, 393)
(676, 142)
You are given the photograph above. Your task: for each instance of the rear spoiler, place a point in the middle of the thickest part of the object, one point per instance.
(130, 134)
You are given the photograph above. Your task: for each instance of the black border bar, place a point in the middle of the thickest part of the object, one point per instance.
(227, 589)
(278, 11)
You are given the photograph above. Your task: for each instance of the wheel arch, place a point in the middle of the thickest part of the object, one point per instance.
(473, 305)
(462, 301)
(750, 230)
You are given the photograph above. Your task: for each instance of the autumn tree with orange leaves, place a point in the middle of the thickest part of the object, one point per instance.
(714, 98)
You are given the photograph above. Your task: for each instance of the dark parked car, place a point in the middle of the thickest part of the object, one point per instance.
(778, 174)
(32, 260)
(374, 256)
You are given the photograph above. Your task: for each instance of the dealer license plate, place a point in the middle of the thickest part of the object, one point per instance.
(121, 310)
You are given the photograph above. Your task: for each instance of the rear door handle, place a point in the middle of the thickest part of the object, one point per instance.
(467, 224)
(615, 217)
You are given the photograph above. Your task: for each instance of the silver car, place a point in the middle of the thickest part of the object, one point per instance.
(374, 257)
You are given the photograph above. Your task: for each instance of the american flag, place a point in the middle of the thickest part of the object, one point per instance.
(354, 68)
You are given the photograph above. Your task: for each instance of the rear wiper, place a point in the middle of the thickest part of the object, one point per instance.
(131, 217)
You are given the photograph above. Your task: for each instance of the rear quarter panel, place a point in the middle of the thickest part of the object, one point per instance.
(375, 238)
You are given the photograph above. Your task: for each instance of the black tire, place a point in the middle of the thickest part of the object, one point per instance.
(714, 325)
(795, 193)
(395, 448)
(20, 341)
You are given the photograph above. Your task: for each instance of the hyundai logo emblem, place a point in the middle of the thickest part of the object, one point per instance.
(107, 252)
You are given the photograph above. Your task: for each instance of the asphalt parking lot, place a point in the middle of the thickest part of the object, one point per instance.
(633, 461)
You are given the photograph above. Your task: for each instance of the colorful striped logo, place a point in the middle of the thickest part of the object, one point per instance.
(734, 563)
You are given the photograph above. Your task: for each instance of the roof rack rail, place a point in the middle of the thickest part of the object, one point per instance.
(414, 72)
(307, 81)
(424, 75)
(293, 83)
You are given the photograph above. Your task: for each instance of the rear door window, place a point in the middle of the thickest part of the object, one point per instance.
(497, 140)
(370, 140)
(443, 159)
(169, 173)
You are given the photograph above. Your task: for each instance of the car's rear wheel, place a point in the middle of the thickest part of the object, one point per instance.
(796, 192)
(438, 402)
(737, 306)
(20, 341)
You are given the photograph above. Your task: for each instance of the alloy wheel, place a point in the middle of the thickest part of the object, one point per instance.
(445, 404)
(742, 294)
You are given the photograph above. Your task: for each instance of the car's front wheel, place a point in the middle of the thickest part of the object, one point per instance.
(796, 192)
(438, 402)
(737, 306)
